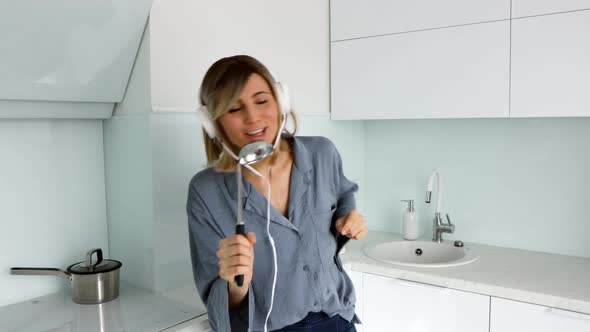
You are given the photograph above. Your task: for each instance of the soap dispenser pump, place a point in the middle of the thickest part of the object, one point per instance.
(409, 222)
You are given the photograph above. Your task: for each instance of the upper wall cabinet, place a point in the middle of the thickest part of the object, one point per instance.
(290, 37)
(354, 19)
(64, 50)
(522, 8)
(441, 73)
(551, 66)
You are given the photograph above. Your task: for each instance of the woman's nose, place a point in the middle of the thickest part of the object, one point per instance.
(250, 114)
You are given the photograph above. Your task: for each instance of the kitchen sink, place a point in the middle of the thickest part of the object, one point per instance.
(421, 253)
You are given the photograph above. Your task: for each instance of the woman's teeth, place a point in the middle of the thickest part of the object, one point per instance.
(256, 132)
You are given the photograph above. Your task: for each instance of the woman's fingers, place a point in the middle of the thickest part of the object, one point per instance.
(235, 261)
(235, 249)
(236, 256)
(352, 225)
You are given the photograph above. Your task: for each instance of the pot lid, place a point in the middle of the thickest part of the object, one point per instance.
(91, 267)
(106, 265)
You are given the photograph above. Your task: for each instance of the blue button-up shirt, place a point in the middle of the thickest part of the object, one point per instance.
(309, 277)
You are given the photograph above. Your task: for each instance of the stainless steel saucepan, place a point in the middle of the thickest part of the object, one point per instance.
(92, 283)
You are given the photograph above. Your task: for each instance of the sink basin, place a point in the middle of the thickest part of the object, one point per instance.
(420, 253)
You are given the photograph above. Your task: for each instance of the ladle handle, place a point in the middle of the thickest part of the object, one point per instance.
(240, 229)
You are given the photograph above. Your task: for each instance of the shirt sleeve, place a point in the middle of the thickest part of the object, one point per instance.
(345, 189)
(204, 237)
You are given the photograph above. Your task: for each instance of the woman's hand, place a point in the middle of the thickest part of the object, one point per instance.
(236, 256)
(352, 225)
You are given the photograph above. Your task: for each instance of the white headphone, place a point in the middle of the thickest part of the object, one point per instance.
(282, 96)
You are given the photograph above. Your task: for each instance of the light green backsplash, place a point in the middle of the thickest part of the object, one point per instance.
(518, 183)
(129, 191)
(349, 138)
(52, 195)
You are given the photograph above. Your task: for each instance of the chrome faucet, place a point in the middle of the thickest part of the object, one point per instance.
(437, 224)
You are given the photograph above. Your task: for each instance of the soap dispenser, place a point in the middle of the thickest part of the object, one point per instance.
(409, 222)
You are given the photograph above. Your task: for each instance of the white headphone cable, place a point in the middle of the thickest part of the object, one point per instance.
(272, 244)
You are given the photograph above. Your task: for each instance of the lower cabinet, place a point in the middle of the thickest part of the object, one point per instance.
(514, 316)
(391, 304)
(357, 280)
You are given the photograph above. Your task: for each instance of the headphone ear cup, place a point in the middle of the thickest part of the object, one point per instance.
(207, 122)
(283, 98)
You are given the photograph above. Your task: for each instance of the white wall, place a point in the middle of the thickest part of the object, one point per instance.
(52, 200)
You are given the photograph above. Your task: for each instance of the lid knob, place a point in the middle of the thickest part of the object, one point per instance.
(89, 264)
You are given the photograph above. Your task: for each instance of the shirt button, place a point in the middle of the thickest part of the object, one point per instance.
(306, 268)
(315, 304)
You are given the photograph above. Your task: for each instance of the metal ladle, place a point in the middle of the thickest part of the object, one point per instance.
(250, 154)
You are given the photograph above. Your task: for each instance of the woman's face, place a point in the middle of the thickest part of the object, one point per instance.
(254, 117)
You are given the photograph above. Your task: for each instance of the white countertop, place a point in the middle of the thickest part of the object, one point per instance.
(547, 279)
(136, 310)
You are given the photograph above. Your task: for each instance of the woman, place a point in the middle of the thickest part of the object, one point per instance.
(312, 204)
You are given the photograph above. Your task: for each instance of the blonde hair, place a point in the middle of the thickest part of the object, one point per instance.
(220, 90)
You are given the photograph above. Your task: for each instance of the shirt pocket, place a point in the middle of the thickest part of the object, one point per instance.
(326, 241)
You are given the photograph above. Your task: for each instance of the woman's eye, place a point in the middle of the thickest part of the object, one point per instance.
(262, 102)
(233, 110)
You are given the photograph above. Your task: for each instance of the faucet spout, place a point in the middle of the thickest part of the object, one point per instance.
(438, 190)
(438, 227)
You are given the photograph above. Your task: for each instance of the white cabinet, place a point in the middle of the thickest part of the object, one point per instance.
(513, 316)
(442, 73)
(353, 18)
(550, 70)
(522, 8)
(74, 51)
(290, 37)
(357, 280)
(396, 305)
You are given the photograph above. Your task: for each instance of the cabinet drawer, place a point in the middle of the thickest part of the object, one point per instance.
(513, 316)
(391, 304)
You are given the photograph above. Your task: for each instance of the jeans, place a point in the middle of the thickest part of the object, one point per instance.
(320, 322)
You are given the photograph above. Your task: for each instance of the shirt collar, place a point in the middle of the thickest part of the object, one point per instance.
(301, 162)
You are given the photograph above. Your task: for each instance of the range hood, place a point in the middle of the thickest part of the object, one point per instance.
(70, 52)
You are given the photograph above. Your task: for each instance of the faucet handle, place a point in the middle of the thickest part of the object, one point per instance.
(451, 225)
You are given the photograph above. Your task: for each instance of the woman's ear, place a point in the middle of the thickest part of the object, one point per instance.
(207, 122)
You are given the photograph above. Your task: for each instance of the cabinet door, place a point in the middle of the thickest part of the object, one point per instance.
(353, 18)
(396, 305)
(459, 72)
(357, 280)
(513, 316)
(522, 8)
(290, 37)
(550, 73)
(68, 51)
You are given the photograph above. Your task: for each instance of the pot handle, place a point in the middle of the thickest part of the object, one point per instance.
(40, 271)
(98, 252)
